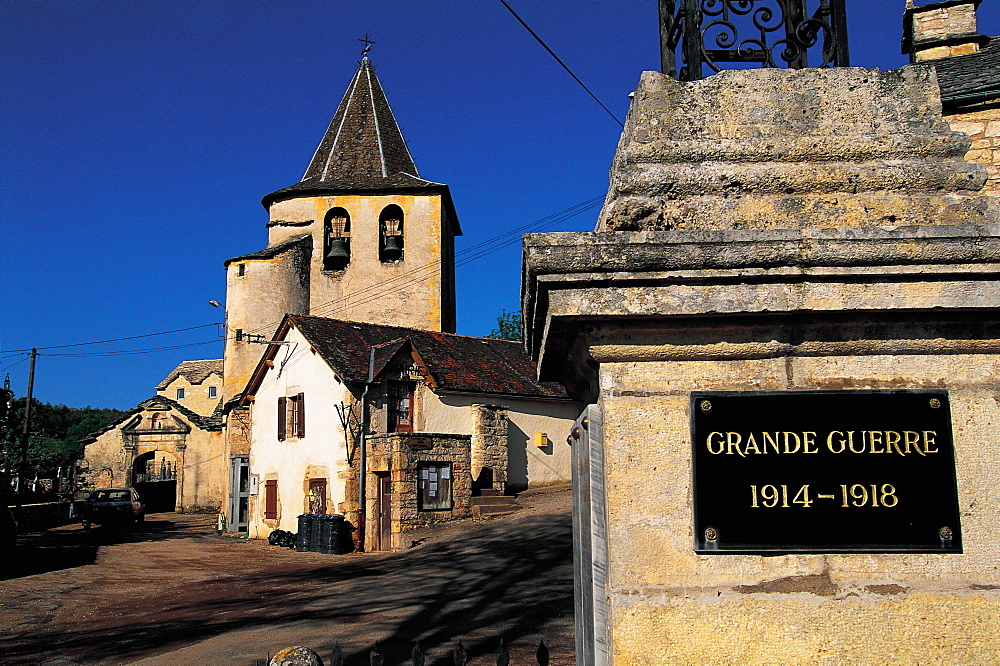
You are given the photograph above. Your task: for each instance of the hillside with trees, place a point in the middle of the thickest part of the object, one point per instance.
(54, 437)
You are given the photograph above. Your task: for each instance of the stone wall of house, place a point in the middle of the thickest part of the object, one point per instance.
(941, 22)
(192, 452)
(983, 127)
(529, 422)
(489, 443)
(400, 455)
(196, 396)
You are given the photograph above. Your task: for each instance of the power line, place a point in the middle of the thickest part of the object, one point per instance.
(101, 342)
(470, 254)
(8, 367)
(477, 251)
(128, 352)
(362, 296)
(558, 60)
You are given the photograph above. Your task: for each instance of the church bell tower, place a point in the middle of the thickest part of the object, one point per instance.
(361, 237)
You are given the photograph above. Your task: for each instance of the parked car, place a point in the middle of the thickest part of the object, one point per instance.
(112, 505)
(8, 528)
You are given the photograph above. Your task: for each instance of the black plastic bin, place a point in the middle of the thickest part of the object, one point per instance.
(328, 535)
(307, 533)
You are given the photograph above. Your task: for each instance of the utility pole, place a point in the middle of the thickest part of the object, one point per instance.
(24, 430)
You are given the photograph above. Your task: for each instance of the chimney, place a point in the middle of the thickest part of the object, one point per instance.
(941, 30)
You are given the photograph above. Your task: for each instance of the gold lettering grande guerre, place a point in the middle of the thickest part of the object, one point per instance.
(824, 471)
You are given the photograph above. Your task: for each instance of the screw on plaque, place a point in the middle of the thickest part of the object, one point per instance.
(945, 532)
(706, 406)
(935, 403)
(711, 534)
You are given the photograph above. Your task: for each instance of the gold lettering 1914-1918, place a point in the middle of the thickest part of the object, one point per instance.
(900, 442)
(856, 495)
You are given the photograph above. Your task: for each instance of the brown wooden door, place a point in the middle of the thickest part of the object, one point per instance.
(384, 512)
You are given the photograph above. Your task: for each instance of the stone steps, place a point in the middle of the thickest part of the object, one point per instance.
(490, 507)
(494, 500)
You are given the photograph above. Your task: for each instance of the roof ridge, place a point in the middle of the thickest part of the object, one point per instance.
(405, 328)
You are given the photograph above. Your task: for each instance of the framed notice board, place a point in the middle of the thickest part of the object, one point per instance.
(824, 472)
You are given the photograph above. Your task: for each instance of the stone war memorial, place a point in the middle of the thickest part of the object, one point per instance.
(786, 326)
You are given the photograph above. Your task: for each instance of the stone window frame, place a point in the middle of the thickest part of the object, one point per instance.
(440, 475)
(179, 393)
(316, 499)
(213, 392)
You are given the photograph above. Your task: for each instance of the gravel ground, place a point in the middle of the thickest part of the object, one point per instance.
(173, 591)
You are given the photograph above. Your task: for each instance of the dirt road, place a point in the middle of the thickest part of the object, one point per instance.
(175, 592)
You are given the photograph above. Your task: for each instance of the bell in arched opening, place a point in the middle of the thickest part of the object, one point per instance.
(338, 233)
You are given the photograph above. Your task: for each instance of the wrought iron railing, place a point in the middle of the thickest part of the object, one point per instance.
(153, 473)
(707, 34)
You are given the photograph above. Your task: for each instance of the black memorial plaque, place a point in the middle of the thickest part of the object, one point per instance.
(824, 472)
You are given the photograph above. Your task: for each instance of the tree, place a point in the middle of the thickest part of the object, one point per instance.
(508, 327)
(54, 437)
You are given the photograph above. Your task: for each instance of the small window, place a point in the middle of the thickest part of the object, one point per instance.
(400, 407)
(292, 416)
(239, 335)
(434, 486)
(241, 270)
(180, 394)
(391, 237)
(271, 499)
(213, 391)
(157, 421)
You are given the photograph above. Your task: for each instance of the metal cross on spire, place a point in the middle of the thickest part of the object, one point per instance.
(367, 41)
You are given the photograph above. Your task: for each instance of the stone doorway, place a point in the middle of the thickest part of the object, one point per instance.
(154, 477)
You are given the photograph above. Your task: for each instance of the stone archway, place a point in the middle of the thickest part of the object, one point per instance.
(154, 476)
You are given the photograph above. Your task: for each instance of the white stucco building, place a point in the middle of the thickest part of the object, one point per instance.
(449, 417)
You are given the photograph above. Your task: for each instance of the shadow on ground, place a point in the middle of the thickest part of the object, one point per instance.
(491, 582)
(72, 546)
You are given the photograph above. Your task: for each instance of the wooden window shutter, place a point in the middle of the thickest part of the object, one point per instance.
(271, 498)
(300, 420)
(281, 418)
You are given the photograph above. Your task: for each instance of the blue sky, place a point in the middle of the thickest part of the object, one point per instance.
(137, 139)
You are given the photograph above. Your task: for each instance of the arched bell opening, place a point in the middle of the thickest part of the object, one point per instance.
(391, 236)
(336, 240)
(154, 476)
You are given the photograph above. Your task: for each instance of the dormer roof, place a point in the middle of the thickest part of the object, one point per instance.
(194, 371)
(363, 149)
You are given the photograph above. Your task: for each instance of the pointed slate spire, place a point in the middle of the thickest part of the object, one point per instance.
(363, 142)
(363, 148)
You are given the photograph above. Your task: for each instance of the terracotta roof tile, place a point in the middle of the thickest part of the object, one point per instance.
(456, 362)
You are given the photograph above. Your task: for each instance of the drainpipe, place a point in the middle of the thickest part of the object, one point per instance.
(363, 462)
